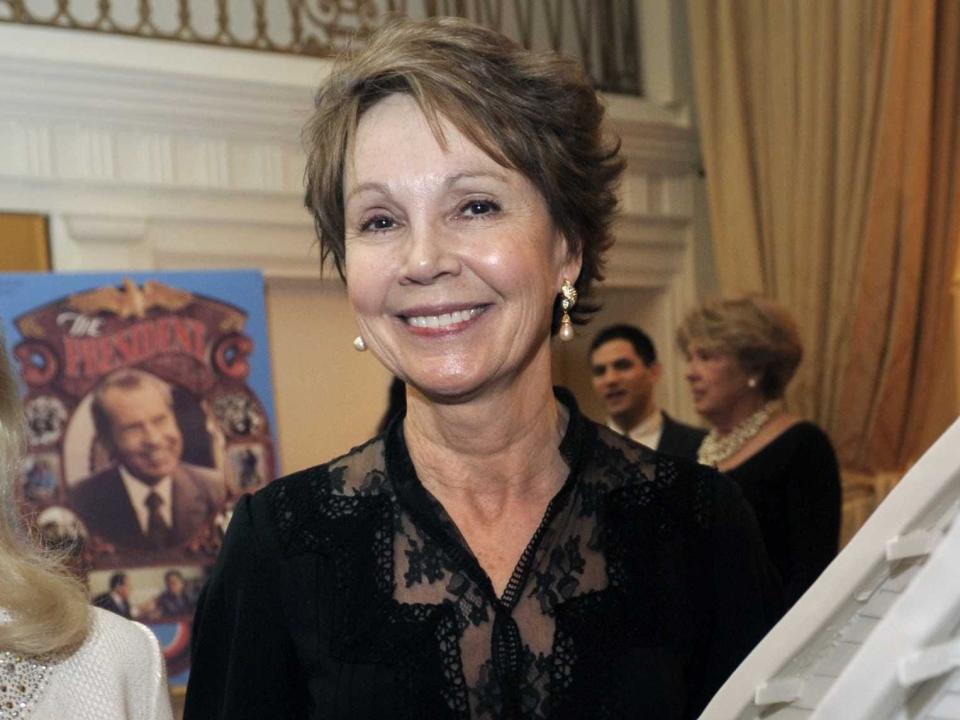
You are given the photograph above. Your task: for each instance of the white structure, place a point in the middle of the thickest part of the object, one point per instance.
(877, 636)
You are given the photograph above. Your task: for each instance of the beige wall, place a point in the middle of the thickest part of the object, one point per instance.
(328, 396)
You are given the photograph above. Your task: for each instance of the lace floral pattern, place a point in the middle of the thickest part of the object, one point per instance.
(600, 606)
(425, 562)
(560, 579)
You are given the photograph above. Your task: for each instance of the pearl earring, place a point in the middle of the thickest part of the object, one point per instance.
(752, 383)
(359, 344)
(569, 293)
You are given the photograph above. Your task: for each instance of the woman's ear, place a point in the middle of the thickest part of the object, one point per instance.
(570, 260)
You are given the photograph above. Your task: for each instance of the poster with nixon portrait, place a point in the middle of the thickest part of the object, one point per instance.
(149, 411)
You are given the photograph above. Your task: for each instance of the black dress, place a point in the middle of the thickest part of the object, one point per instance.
(345, 591)
(793, 484)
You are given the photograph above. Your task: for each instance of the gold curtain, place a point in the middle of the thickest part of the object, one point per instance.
(829, 133)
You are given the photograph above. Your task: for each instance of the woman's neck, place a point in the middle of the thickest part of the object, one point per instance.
(502, 444)
(725, 421)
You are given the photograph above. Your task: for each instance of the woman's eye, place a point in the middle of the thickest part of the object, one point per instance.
(476, 208)
(377, 224)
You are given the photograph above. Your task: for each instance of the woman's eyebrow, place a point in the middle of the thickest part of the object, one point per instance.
(457, 177)
(450, 180)
(366, 187)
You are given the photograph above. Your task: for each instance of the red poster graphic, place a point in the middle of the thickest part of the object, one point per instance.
(143, 430)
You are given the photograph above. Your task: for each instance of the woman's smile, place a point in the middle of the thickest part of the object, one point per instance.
(428, 322)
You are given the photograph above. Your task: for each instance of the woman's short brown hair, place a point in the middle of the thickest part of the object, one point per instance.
(758, 332)
(532, 112)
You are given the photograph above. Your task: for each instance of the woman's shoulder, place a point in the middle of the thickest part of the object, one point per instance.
(807, 430)
(794, 444)
(662, 481)
(308, 498)
(110, 632)
(117, 674)
(800, 435)
(620, 449)
(361, 471)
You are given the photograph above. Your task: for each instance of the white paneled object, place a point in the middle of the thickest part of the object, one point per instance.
(877, 637)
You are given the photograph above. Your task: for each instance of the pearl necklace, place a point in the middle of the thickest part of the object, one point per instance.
(715, 449)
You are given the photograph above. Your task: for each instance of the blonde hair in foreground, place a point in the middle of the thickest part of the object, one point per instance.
(50, 610)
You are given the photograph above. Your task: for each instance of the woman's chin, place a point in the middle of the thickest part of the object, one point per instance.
(703, 408)
(449, 390)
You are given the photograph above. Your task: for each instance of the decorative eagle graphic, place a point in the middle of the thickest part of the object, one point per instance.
(130, 301)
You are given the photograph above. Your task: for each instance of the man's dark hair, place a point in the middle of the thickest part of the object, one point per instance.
(642, 344)
(117, 579)
(172, 573)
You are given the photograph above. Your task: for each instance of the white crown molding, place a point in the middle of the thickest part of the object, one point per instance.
(106, 230)
(136, 55)
(153, 154)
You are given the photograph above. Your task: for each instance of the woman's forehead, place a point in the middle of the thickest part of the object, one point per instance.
(395, 141)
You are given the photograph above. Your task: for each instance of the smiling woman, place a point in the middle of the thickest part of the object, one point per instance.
(493, 554)
(452, 261)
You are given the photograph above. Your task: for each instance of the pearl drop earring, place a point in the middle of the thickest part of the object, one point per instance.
(359, 344)
(569, 293)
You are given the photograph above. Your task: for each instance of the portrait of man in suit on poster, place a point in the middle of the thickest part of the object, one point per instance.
(117, 598)
(148, 500)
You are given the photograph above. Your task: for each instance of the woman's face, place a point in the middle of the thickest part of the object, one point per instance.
(452, 261)
(718, 381)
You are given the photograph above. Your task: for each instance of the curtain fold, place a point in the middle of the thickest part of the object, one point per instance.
(829, 134)
(942, 231)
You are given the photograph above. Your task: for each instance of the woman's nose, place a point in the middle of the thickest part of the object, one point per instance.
(429, 252)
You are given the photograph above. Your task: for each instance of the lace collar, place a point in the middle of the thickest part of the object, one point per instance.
(430, 515)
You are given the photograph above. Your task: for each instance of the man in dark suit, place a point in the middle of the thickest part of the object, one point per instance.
(174, 600)
(148, 500)
(117, 599)
(623, 361)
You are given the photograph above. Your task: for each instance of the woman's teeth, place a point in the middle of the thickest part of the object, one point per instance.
(439, 321)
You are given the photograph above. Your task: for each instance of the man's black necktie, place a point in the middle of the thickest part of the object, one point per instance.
(158, 532)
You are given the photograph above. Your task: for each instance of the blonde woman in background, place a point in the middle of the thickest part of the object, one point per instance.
(741, 355)
(60, 658)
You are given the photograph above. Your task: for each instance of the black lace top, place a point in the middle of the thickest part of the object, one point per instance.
(345, 591)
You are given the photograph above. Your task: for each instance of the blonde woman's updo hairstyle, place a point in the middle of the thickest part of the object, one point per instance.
(532, 112)
(759, 333)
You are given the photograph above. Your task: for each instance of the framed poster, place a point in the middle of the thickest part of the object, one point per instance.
(149, 409)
